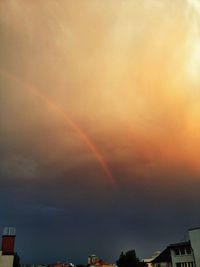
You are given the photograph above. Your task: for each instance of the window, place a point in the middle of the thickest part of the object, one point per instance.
(177, 252)
(188, 250)
(182, 250)
(178, 264)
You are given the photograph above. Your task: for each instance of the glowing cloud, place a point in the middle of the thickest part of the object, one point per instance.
(193, 62)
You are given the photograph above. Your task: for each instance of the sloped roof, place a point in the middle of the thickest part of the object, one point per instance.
(164, 256)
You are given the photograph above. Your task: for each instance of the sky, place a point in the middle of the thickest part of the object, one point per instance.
(99, 126)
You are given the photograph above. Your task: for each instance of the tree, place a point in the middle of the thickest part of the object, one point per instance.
(16, 262)
(129, 259)
(121, 262)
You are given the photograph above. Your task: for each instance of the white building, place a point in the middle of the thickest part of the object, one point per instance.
(184, 254)
(6, 260)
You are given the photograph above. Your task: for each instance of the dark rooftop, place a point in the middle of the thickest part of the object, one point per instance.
(163, 257)
(195, 228)
(181, 244)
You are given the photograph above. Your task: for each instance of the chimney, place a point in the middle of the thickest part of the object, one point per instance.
(8, 241)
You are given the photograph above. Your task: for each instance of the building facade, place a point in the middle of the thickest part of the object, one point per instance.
(6, 260)
(194, 236)
(184, 254)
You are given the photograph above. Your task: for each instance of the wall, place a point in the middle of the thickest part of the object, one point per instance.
(6, 261)
(194, 235)
(180, 258)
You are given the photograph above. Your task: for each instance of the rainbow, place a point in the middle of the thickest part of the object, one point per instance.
(71, 123)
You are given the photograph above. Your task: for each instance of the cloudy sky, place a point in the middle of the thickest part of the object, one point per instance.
(99, 125)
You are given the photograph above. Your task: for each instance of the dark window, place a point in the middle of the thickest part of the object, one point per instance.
(178, 264)
(188, 250)
(177, 252)
(182, 250)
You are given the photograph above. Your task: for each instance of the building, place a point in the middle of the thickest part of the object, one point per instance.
(149, 260)
(175, 255)
(184, 254)
(7, 247)
(94, 261)
(163, 259)
(194, 236)
(6, 260)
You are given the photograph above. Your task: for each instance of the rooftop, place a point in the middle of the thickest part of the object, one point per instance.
(195, 228)
(164, 256)
(181, 244)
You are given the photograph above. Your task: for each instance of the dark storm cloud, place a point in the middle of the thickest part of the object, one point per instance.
(61, 212)
(59, 206)
(53, 202)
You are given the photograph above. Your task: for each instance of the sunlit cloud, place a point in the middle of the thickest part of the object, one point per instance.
(125, 72)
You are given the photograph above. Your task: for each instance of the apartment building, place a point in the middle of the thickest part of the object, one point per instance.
(184, 254)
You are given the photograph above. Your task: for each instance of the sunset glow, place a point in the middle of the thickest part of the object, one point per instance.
(144, 78)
